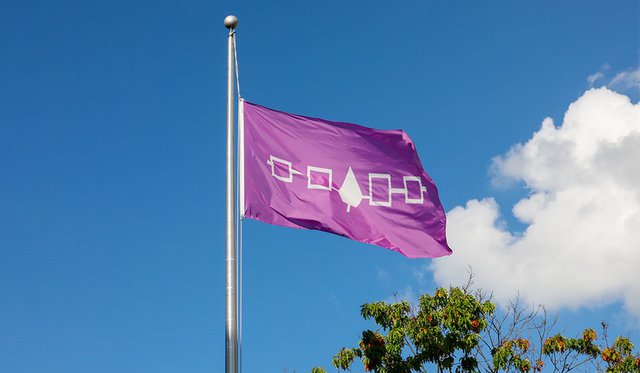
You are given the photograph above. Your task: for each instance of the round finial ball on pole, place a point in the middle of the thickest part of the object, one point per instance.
(230, 22)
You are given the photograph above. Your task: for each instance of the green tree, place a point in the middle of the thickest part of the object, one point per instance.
(455, 330)
(618, 357)
(443, 331)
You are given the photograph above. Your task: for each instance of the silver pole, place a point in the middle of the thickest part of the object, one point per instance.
(231, 340)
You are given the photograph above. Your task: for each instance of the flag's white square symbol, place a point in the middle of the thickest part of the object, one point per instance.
(379, 189)
(319, 178)
(281, 169)
(413, 190)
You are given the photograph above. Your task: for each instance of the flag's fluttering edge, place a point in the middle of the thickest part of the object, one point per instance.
(361, 183)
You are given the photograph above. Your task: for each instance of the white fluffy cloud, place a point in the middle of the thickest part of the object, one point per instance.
(581, 245)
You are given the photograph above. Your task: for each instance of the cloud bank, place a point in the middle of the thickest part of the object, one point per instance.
(581, 245)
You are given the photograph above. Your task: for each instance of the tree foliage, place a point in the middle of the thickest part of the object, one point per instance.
(456, 330)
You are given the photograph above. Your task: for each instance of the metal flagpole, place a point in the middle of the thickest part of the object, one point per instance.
(231, 340)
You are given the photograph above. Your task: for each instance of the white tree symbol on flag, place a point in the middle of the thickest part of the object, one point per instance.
(350, 192)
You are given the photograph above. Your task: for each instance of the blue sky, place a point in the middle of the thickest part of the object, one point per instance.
(112, 128)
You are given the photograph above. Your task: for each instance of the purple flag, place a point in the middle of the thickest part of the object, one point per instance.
(353, 181)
